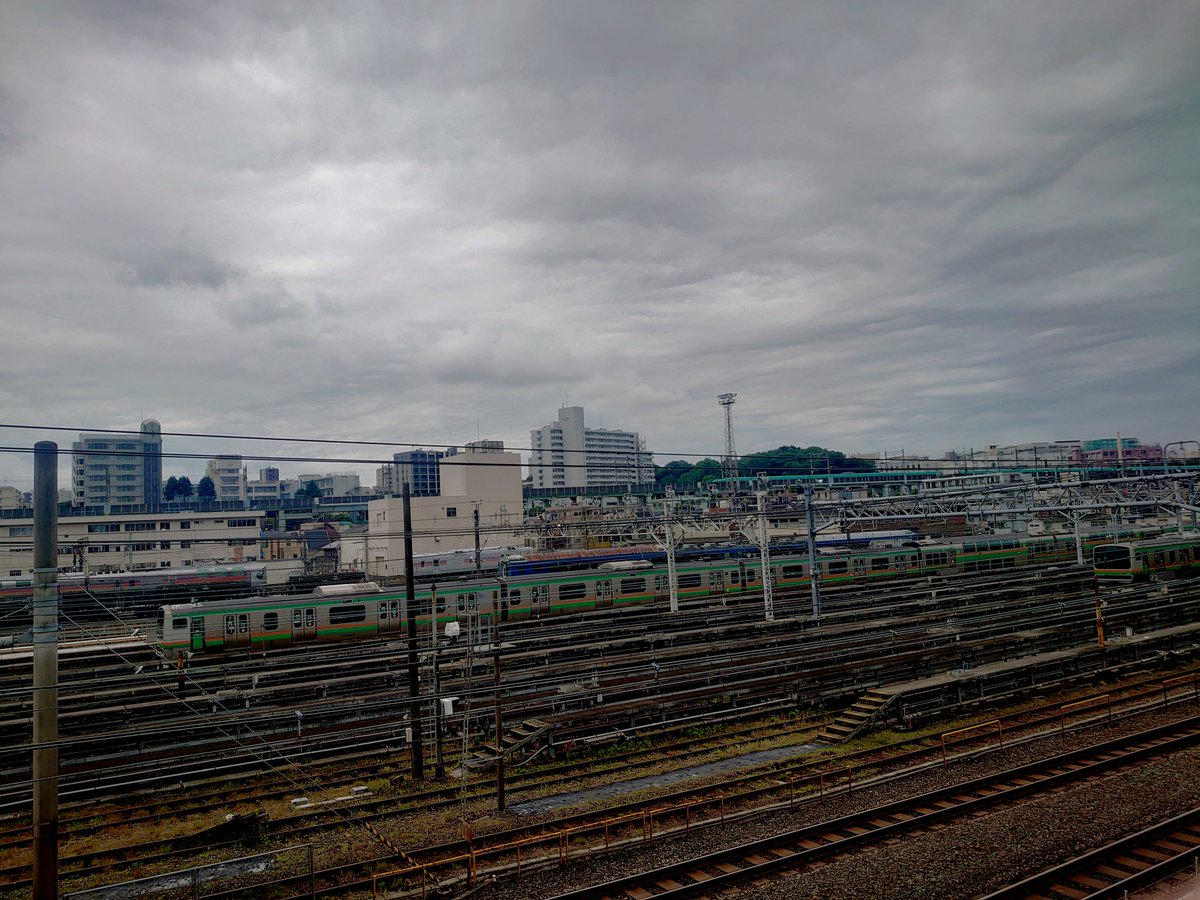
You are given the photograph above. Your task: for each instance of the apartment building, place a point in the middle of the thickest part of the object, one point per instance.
(568, 454)
(228, 477)
(119, 470)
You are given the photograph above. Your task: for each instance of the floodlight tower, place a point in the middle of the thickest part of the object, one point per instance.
(729, 465)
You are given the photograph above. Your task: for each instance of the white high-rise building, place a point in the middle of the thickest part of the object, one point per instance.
(567, 454)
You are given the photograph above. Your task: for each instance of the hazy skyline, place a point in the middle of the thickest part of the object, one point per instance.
(926, 226)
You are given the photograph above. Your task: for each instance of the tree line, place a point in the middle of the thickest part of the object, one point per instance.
(785, 460)
(181, 488)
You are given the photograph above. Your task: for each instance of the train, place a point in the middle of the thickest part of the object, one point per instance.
(349, 611)
(142, 592)
(513, 561)
(143, 589)
(1156, 559)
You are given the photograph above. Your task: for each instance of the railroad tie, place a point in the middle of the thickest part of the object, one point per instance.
(408, 860)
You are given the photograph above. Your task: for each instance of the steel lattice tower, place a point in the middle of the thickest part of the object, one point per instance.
(729, 465)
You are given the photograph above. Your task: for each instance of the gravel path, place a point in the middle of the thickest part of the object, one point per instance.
(966, 859)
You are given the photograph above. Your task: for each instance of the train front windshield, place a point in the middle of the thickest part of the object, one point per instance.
(1111, 557)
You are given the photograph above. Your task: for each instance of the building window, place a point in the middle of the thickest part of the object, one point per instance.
(185, 525)
(451, 512)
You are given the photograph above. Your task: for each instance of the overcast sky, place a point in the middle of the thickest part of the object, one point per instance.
(893, 225)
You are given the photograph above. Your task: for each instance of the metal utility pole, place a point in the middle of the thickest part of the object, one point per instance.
(501, 803)
(414, 678)
(764, 548)
(45, 670)
(729, 465)
(478, 566)
(814, 572)
(670, 540)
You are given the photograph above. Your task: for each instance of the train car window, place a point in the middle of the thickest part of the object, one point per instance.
(243, 624)
(383, 609)
(633, 585)
(969, 547)
(177, 624)
(575, 591)
(395, 607)
(297, 617)
(879, 563)
(344, 615)
(514, 597)
(792, 572)
(838, 566)
(690, 580)
(270, 621)
(309, 618)
(229, 624)
(462, 604)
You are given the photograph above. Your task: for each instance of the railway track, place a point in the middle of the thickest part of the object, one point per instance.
(1155, 855)
(239, 718)
(766, 859)
(668, 812)
(626, 679)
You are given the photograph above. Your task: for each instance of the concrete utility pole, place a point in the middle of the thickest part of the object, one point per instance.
(45, 670)
(414, 678)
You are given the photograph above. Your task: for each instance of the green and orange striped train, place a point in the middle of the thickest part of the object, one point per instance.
(348, 611)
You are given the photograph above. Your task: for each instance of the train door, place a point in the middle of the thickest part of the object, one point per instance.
(304, 624)
(604, 593)
(237, 630)
(859, 567)
(197, 632)
(539, 597)
(716, 582)
(741, 576)
(389, 616)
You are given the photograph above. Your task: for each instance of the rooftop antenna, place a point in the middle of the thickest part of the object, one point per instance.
(729, 466)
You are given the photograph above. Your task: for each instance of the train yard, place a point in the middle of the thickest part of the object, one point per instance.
(310, 744)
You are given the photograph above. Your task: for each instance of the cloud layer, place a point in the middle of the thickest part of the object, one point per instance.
(919, 225)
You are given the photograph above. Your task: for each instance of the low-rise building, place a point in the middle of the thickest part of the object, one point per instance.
(121, 543)
(484, 477)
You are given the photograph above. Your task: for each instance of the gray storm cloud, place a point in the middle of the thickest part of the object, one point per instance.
(926, 225)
